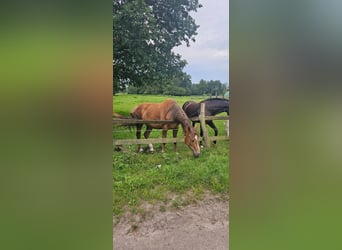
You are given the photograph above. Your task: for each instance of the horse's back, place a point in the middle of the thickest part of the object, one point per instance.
(218, 102)
(143, 111)
(215, 98)
(153, 111)
(213, 106)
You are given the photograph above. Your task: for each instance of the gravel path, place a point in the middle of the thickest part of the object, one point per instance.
(200, 226)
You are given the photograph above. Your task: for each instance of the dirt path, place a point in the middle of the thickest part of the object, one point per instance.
(200, 226)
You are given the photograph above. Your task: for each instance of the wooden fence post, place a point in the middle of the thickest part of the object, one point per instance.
(204, 128)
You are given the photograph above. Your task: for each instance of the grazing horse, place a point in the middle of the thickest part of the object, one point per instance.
(167, 110)
(213, 106)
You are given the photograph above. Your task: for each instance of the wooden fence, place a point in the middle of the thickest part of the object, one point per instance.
(202, 118)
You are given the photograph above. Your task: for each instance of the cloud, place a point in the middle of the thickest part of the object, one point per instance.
(204, 56)
(209, 55)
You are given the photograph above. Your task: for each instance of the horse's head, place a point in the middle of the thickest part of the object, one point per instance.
(191, 139)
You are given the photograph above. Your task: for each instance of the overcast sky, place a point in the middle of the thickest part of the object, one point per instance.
(208, 57)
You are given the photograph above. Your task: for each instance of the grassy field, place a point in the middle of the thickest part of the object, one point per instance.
(168, 180)
(123, 103)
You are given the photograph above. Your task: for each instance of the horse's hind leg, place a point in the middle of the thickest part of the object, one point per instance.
(146, 135)
(138, 134)
(212, 125)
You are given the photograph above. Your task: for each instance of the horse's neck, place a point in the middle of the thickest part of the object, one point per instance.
(182, 118)
(185, 123)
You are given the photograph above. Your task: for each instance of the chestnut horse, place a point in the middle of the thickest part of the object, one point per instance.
(213, 106)
(167, 110)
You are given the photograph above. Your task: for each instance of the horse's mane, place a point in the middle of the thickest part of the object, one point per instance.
(180, 116)
(217, 105)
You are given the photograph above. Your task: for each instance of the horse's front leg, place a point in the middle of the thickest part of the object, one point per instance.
(146, 135)
(164, 134)
(175, 131)
(212, 125)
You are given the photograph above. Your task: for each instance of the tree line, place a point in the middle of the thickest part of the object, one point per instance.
(182, 87)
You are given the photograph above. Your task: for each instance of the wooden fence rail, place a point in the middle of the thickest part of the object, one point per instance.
(202, 118)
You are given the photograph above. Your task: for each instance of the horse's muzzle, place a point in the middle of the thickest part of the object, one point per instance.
(196, 154)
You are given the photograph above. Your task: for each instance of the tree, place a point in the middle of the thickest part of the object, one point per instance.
(203, 87)
(144, 34)
(181, 85)
(215, 87)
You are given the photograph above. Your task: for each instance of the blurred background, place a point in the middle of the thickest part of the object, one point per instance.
(285, 120)
(56, 92)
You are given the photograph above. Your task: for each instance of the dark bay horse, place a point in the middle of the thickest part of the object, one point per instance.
(213, 106)
(167, 110)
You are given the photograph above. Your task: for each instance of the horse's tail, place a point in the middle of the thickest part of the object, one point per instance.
(117, 116)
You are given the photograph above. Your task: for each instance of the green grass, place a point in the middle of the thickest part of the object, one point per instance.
(170, 179)
(124, 103)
